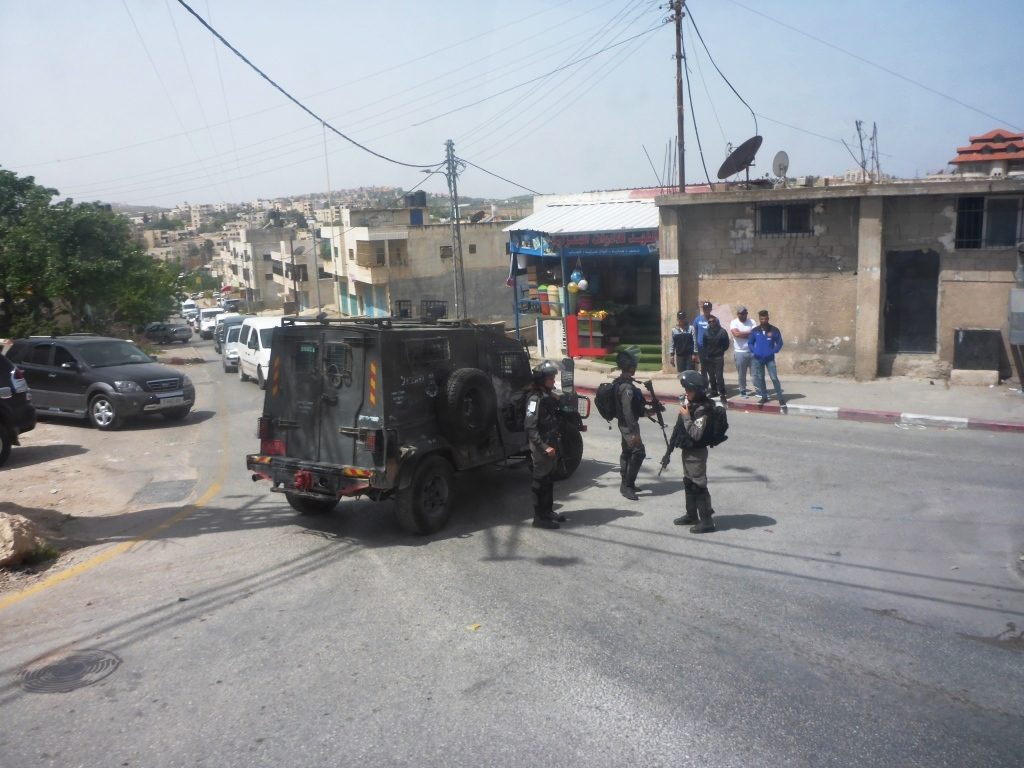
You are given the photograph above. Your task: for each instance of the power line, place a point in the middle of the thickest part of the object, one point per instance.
(877, 66)
(693, 119)
(291, 98)
(535, 79)
(492, 173)
(712, 60)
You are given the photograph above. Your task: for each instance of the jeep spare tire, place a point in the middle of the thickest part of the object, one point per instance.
(467, 405)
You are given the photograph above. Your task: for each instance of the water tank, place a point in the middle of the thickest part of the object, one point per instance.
(410, 200)
(420, 198)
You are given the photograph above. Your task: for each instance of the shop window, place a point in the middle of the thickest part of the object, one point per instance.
(784, 219)
(993, 222)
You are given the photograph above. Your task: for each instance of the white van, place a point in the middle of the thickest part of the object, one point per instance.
(189, 309)
(207, 321)
(254, 348)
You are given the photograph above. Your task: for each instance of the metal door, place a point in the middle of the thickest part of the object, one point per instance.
(911, 301)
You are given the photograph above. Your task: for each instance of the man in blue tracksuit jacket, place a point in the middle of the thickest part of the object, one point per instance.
(764, 341)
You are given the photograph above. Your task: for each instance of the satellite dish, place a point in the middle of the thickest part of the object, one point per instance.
(780, 164)
(741, 158)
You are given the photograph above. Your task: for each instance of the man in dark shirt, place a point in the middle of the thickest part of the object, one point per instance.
(716, 344)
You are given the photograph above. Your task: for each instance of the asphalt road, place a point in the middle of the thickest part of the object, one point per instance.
(862, 604)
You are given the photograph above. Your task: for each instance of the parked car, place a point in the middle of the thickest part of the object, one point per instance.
(229, 357)
(102, 379)
(165, 333)
(254, 348)
(224, 321)
(17, 414)
(207, 320)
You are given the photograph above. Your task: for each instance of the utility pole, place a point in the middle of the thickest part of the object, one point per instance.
(451, 173)
(677, 12)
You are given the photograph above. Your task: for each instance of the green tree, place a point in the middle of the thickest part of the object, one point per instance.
(69, 265)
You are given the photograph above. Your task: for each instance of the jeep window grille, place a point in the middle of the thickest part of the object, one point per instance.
(426, 352)
(513, 365)
(305, 357)
(338, 363)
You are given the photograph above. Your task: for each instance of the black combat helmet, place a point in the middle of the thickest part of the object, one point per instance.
(545, 370)
(625, 361)
(692, 380)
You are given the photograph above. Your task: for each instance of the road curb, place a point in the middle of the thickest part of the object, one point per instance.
(859, 414)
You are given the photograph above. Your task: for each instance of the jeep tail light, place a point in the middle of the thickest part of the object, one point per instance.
(265, 428)
(269, 447)
(374, 442)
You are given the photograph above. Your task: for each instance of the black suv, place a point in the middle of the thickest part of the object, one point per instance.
(16, 412)
(103, 379)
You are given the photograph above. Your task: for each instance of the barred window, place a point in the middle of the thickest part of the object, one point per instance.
(784, 219)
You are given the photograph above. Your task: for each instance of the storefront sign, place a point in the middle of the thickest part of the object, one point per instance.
(638, 242)
(668, 266)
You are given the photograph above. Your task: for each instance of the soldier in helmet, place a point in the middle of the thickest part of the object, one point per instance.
(542, 432)
(629, 407)
(689, 435)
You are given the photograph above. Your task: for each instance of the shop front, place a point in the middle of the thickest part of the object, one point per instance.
(588, 273)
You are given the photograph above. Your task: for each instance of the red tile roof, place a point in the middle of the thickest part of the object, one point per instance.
(997, 144)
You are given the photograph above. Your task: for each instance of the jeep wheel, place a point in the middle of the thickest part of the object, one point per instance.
(304, 505)
(467, 407)
(176, 414)
(572, 445)
(426, 504)
(103, 413)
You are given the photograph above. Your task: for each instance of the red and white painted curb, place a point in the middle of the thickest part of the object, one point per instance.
(859, 414)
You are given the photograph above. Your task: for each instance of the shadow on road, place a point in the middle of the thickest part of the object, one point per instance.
(27, 455)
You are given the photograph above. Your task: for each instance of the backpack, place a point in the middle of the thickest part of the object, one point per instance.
(605, 400)
(717, 426)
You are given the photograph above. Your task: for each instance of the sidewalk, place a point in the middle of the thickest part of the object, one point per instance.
(898, 400)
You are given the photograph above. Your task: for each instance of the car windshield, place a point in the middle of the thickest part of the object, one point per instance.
(233, 332)
(101, 354)
(266, 335)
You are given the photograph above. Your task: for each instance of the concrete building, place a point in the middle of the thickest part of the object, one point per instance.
(996, 153)
(862, 280)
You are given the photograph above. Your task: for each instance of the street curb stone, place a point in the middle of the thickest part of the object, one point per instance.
(859, 414)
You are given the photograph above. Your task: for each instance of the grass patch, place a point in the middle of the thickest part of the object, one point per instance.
(41, 554)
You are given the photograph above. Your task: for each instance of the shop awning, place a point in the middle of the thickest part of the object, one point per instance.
(579, 218)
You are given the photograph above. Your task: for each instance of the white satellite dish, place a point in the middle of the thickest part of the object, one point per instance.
(780, 164)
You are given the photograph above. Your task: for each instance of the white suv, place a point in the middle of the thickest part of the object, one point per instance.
(208, 320)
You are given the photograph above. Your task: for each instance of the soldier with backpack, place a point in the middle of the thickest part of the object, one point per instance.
(629, 407)
(542, 431)
(699, 425)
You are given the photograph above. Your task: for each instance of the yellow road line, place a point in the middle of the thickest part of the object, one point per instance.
(125, 546)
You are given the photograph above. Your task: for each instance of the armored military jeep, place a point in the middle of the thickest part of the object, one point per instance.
(389, 408)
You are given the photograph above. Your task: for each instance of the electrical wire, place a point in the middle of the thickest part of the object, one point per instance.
(291, 98)
(224, 96)
(870, 63)
(693, 115)
(711, 103)
(535, 79)
(492, 173)
(712, 60)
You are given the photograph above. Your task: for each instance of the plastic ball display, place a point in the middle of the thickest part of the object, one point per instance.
(572, 287)
(576, 276)
(582, 284)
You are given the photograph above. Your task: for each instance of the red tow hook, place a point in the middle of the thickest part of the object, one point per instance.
(303, 480)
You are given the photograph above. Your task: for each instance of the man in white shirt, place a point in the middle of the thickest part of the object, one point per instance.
(740, 329)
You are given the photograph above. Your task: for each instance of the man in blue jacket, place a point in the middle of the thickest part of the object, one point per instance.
(764, 341)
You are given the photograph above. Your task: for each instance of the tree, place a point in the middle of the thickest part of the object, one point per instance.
(69, 265)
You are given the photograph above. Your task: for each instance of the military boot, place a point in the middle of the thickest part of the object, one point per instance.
(704, 512)
(691, 505)
(628, 492)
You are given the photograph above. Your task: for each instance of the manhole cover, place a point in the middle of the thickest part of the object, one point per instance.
(164, 492)
(69, 672)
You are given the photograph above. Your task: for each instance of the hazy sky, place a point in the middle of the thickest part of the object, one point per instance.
(134, 101)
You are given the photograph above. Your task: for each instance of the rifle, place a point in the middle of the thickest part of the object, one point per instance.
(658, 409)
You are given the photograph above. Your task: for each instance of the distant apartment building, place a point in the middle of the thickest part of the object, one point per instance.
(997, 153)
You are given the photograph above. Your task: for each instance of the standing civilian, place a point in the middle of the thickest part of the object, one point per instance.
(765, 340)
(682, 350)
(740, 329)
(716, 344)
(700, 326)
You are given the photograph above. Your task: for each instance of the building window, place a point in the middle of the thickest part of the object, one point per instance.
(446, 251)
(351, 255)
(472, 247)
(988, 222)
(784, 219)
(379, 252)
(267, 257)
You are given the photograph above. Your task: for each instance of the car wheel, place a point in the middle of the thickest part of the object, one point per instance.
(6, 441)
(176, 414)
(304, 505)
(103, 413)
(426, 504)
(241, 374)
(259, 378)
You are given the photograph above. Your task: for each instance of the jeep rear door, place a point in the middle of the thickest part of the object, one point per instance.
(318, 389)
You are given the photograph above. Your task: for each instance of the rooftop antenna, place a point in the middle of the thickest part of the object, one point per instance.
(780, 165)
(741, 158)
